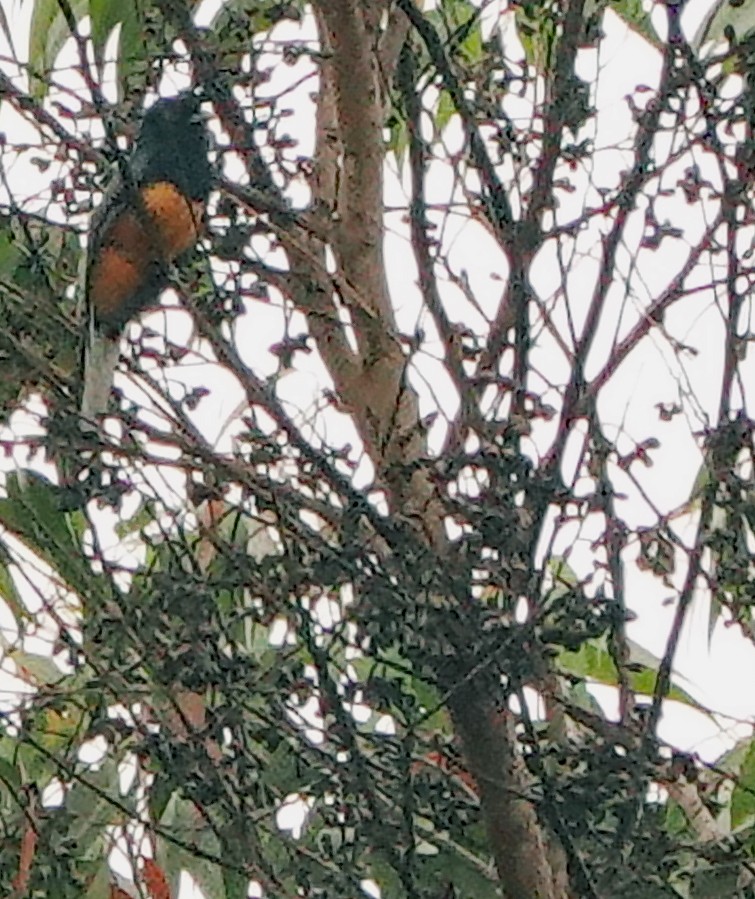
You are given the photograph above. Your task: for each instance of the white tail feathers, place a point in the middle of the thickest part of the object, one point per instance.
(100, 359)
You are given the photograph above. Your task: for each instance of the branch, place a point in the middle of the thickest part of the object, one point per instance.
(391, 42)
(575, 391)
(654, 314)
(384, 406)
(26, 106)
(352, 75)
(419, 224)
(554, 117)
(517, 839)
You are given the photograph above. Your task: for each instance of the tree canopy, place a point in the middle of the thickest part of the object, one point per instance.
(448, 408)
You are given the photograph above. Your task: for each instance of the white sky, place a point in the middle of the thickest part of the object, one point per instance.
(717, 675)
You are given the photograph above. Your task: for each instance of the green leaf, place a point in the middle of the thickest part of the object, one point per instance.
(593, 661)
(464, 21)
(95, 803)
(235, 884)
(135, 524)
(675, 820)
(637, 17)
(36, 669)
(583, 698)
(99, 888)
(536, 28)
(562, 579)
(160, 794)
(444, 111)
(393, 667)
(386, 877)
(183, 820)
(462, 869)
(732, 760)
(105, 16)
(236, 18)
(283, 772)
(39, 344)
(398, 139)
(9, 774)
(5, 26)
(715, 882)
(31, 512)
(49, 735)
(724, 14)
(132, 51)
(8, 591)
(48, 32)
(742, 807)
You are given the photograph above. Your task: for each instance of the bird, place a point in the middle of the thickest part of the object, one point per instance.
(151, 214)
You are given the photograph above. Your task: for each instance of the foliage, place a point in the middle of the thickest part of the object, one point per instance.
(333, 600)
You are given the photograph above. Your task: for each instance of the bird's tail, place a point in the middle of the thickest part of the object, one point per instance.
(101, 355)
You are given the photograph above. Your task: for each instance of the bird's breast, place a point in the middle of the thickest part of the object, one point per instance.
(136, 246)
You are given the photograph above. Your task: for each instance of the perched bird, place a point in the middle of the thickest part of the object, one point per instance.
(151, 214)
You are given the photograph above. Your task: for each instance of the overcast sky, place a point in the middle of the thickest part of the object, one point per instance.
(716, 675)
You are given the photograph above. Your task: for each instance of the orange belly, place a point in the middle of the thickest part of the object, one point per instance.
(136, 244)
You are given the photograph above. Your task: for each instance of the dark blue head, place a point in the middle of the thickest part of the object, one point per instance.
(172, 145)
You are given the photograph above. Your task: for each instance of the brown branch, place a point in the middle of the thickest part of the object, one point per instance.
(575, 391)
(343, 362)
(654, 314)
(391, 42)
(26, 107)
(384, 409)
(553, 118)
(28, 848)
(495, 198)
(511, 817)
(517, 838)
(311, 287)
(372, 387)
(358, 239)
(419, 224)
